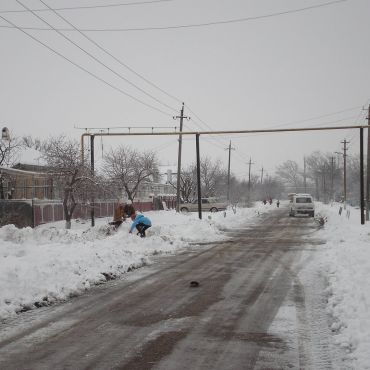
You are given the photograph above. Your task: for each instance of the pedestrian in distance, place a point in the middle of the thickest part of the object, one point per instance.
(141, 223)
(278, 203)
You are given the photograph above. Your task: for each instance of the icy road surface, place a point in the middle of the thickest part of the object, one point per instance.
(251, 310)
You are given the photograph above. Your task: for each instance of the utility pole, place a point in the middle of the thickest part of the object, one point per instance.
(178, 184)
(249, 176)
(362, 205)
(199, 188)
(228, 171)
(344, 153)
(345, 142)
(92, 160)
(368, 167)
(304, 175)
(332, 179)
(261, 175)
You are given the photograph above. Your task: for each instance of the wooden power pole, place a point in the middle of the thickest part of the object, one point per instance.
(368, 167)
(249, 176)
(304, 175)
(228, 171)
(345, 142)
(178, 183)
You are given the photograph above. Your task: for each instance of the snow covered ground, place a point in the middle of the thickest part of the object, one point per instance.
(345, 258)
(39, 266)
(48, 263)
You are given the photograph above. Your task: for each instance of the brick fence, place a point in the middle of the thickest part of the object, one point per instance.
(23, 213)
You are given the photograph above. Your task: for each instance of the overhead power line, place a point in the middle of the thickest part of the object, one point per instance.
(114, 57)
(193, 25)
(89, 6)
(91, 55)
(84, 69)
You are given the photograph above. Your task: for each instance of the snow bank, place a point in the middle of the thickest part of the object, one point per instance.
(346, 260)
(48, 263)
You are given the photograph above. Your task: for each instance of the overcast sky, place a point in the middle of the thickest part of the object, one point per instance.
(274, 71)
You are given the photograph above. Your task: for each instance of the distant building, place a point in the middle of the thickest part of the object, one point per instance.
(25, 182)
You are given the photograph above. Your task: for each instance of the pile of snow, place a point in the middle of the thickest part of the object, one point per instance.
(346, 260)
(39, 266)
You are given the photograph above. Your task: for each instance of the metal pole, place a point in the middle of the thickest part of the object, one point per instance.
(198, 178)
(332, 180)
(368, 168)
(228, 174)
(345, 142)
(178, 184)
(92, 213)
(304, 175)
(362, 203)
(249, 177)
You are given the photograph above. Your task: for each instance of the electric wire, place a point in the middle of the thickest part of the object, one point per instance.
(84, 69)
(361, 116)
(194, 25)
(89, 6)
(114, 57)
(91, 55)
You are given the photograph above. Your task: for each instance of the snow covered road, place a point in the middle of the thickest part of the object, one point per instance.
(256, 306)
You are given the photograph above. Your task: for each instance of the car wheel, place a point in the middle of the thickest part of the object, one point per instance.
(214, 209)
(184, 210)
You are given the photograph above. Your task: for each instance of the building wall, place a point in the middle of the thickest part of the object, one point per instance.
(19, 184)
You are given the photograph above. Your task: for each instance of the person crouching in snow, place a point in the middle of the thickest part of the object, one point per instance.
(141, 223)
(118, 216)
(128, 209)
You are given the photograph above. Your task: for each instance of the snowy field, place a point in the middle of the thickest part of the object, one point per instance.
(345, 258)
(42, 265)
(47, 264)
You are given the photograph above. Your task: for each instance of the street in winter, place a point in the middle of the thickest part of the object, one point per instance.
(184, 184)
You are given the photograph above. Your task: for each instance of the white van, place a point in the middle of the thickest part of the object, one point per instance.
(302, 204)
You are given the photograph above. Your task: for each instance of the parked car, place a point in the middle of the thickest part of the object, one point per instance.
(302, 204)
(208, 205)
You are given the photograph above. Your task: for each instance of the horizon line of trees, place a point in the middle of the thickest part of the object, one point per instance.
(124, 169)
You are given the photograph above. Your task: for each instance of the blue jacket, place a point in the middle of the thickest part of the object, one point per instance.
(140, 219)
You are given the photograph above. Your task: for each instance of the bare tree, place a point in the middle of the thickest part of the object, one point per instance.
(353, 179)
(64, 164)
(9, 151)
(210, 174)
(188, 184)
(290, 173)
(321, 171)
(130, 168)
(9, 154)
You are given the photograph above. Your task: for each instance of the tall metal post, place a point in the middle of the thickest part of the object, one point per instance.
(368, 168)
(198, 178)
(304, 175)
(345, 142)
(362, 203)
(249, 177)
(178, 184)
(228, 171)
(228, 174)
(332, 179)
(92, 159)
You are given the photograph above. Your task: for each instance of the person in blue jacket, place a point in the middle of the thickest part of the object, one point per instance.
(141, 223)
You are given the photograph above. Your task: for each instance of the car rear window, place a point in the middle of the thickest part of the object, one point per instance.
(303, 200)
